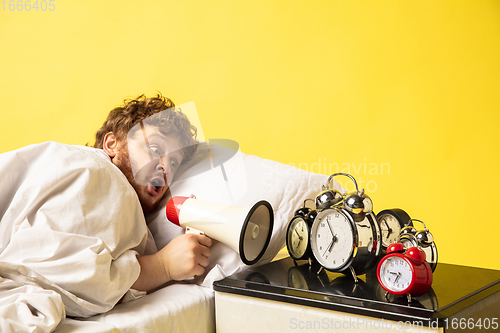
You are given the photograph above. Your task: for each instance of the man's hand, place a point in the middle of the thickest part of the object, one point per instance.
(184, 257)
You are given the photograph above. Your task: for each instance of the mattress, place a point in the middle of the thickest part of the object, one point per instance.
(179, 307)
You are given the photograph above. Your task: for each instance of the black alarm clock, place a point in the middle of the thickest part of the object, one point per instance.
(391, 221)
(298, 231)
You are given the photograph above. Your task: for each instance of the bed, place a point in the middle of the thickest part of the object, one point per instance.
(179, 307)
(241, 180)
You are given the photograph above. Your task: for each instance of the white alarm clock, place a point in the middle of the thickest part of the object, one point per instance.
(346, 238)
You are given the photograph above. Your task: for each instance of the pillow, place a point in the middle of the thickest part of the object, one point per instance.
(241, 180)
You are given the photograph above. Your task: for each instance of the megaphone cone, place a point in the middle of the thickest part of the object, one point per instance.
(247, 230)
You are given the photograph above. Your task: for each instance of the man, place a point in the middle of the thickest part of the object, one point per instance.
(73, 237)
(174, 138)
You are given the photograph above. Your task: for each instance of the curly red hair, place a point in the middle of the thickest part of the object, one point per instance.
(122, 118)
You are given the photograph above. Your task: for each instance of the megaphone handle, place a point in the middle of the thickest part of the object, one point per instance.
(190, 230)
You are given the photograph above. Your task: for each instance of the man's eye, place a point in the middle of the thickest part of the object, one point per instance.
(173, 163)
(156, 150)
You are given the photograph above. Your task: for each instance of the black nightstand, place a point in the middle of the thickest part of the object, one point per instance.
(285, 296)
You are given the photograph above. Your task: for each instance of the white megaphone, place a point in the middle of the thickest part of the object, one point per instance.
(247, 230)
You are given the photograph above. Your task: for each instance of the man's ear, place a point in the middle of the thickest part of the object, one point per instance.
(110, 144)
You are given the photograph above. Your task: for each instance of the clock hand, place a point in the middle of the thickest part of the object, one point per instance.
(397, 277)
(389, 230)
(334, 238)
(328, 247)
(330, 227)
(385, 221)
(300, 237)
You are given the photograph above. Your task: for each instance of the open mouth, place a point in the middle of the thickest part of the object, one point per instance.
(156, 185)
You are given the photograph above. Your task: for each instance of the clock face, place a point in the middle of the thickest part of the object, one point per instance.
(332, 239)
(390, 228)
(396, 274)
(297, 237)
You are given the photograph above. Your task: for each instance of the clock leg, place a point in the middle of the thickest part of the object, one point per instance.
(409, 298)
(319, 271)
(353, 274)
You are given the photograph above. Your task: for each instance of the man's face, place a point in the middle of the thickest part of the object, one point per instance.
(149, 159)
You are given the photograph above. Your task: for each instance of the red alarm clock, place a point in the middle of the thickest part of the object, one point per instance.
(403, 272)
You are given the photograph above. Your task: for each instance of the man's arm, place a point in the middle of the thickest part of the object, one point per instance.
(185, 256)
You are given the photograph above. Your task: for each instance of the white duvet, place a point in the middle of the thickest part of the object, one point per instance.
(71, 228)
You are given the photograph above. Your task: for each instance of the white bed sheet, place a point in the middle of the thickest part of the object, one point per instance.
(179, 307)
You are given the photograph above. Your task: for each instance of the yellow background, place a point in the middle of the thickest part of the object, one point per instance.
(404, 95)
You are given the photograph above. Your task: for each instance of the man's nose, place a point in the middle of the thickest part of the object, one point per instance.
(165, 168)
